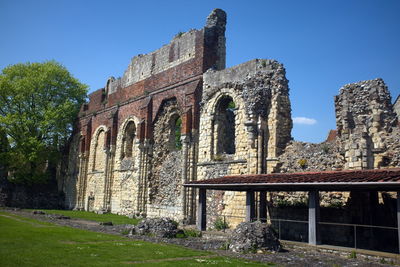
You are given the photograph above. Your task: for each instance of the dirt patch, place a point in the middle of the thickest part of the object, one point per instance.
(170, 259)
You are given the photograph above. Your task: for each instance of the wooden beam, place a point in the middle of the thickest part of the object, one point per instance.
(201, 210)
(398, 217)
(250, 206)
(262, 208)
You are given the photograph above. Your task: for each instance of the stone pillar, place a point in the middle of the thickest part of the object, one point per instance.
(250, 207)
(201, 210)
(193, 157)
(252, 135)
(109, 178)
(260, 146)
(184, 177)
(313, 218)
(83, 177)
(140, 177)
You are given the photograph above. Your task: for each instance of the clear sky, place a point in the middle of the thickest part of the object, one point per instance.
(323, 44)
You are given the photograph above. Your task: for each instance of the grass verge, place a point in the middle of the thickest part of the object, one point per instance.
(27, 242)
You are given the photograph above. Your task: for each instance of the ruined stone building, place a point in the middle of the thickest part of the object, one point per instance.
(178, 115)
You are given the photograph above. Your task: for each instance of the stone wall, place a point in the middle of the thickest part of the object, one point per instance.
(261, 123)
(165, 181)
(140, 173)
(364, 119)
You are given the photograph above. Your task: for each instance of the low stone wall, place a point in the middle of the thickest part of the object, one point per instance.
(34, 197)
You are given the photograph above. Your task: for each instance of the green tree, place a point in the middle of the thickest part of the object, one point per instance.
(38, 104)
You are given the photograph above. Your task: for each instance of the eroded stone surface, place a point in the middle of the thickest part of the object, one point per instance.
(254, 236)
(159, 227)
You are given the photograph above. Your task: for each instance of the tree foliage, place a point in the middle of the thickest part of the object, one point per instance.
(38, 104)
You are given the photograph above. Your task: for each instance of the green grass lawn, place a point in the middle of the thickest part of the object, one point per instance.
(28, 242)
(91, 216)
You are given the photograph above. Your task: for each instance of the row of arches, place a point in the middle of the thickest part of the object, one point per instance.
(223, 137)
(152, 174)
(128, 140)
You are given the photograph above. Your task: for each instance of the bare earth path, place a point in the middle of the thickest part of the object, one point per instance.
(293, 256)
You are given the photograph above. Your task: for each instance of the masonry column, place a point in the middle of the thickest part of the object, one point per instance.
(250, 207)
(185, 139)
(201, 210)
(313, 217)
(184, 177)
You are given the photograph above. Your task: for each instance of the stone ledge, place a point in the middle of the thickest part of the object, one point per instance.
(94, 172)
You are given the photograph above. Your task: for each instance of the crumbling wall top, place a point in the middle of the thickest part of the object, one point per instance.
(257, 81)
(364, 103)
(217, 18)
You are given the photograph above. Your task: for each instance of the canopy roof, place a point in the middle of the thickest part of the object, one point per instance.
(379, 179)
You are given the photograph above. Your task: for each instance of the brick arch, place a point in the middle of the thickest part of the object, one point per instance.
(160, 106)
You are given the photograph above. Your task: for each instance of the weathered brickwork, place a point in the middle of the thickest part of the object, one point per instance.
(178, 115)
(121, 158)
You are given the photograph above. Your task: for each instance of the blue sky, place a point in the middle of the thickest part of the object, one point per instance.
(323, 44)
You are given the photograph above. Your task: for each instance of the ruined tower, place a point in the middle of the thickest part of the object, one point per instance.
(177, 115)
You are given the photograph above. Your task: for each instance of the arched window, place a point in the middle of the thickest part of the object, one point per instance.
(128, 139)
(175, 132)
(99, 154)
(224, 126)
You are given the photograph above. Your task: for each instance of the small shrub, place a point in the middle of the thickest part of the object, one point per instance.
(180, 234)
(175, 223)
(353, 255)
(192, 233)
(125, 232)
(231, 105)
(188, 233)
(336, 204)
(383, 261)
(225, 246)
(218, 157)
(263, 63)
(302, 163)
(220, 224)
(179, 34)
(325, 149)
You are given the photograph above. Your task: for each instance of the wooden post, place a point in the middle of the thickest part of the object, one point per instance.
(313, 217)
(263, 206)
(250, 211)
(201, 210)
(398, 217)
